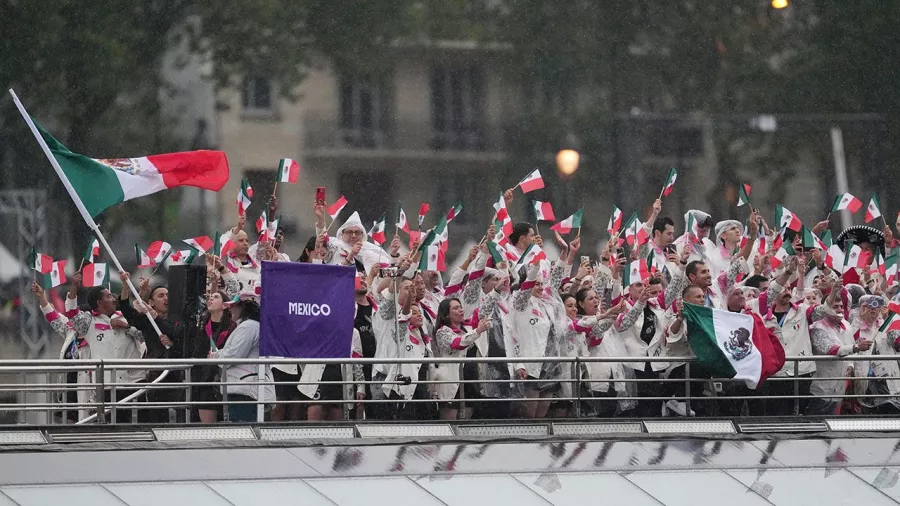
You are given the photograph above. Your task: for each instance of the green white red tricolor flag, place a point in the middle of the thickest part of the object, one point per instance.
(377, 233)
(335, 209)
(532, 182)
(857, 257)
(784, 252)
(890, 268)
(637, 272)
(670, 182)
(143, 260)
(743, 194)
(635, 235)
(93, 251)
(262, 222)
(40, 262)
(402, 222)
(103, 183)
(693, 228)
(454, 211)
(183, 257)
(222, 244)
(268, 234)
(786, 219)
(615, 221)
(543, 211)
(423, 211)
(873, 211)
(201, 244)
(533, 254)
(733, 345)
(846, 202)
(95, 274)
(55, 276)
(158, 251)
(288, 171)
(569, 224)
(506, 225)
(244, 196)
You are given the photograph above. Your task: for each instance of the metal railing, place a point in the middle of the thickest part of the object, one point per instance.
(103, 407)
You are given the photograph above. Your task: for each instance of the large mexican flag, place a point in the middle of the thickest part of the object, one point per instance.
(103, 183)
(733, 345)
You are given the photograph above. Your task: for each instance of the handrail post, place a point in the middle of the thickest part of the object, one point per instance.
(99, 378)
(187, 395)
(687, 388)
(576, 386)
(462, 392)
(796, 387)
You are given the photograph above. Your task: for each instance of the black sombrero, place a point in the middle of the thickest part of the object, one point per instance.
(858, 234)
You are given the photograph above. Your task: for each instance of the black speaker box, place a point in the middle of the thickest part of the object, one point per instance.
(187, 286)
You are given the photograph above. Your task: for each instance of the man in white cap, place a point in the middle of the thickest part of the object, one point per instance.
(351, 245)
(704, 246)
(728, 237)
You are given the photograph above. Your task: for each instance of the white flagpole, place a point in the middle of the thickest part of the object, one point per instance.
(78, 203)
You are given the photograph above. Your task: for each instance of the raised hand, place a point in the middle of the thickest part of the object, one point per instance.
(38, 292)
(483, 326)
(508, 195)
(576, 244)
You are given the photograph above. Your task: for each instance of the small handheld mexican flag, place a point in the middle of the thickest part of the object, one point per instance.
(637, 273)
(184, 257)
(93, 251)
(143, 260)
(402, 222)
(615, 221)
(569, 224)
(335, 209)
(288, 171)
(496, 255)
(543, 211)
(786, 219)
(635, 235)
(40, 262)
(96, 274)
(158, 251)
(201, 244)
(454, 211)
(377, 233)
(262, 222)
(890, 268)
(784, 252)
(431, 252)
(873, 211)
(846, 202)
(733, 345)
(532, 182)
(423, 211)
(268, 234)
(693, 227)
(892, 322)
(222, 244)
(743, 194)
(532, 255)
(244, 196)
(55, 276)
(670, 182)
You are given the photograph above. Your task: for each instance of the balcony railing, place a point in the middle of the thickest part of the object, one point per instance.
(94, 406)
(327, 134)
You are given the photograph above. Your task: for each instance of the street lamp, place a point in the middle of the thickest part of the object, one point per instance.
(779, 4)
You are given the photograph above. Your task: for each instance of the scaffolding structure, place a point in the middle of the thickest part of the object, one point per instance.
(27, 209)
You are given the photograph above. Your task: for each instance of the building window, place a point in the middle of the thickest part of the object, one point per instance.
(365, 193)
(256, 94)
(364, 115)
(456, 107)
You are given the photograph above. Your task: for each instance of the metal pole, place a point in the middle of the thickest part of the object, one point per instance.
(260, 393)
(687, 388)
(101, 399)
(796, 388)
(187, 395)
(840, 169)
(462, 393)
(576, 387)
